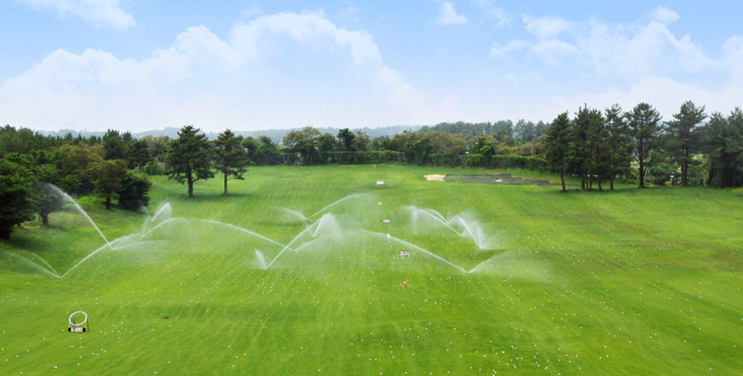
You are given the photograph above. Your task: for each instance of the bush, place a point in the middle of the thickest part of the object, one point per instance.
(154, 168)
(134, 191)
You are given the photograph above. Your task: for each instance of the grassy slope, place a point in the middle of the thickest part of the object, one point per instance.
(601, 282)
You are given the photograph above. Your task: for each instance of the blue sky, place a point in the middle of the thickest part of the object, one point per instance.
(248, 65)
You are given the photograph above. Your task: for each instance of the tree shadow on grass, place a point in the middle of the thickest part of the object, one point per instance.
(574, 190)
(217, 197)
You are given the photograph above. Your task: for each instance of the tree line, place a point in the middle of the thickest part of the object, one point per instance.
(598, 146)
(688, 150)
(36, 171)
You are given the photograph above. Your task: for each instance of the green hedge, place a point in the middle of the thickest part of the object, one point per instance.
(505, 161)
(362, 157)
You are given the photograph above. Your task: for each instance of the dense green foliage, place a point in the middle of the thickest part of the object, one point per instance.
(189, 157)
(645, 129)
(557, 145)
(108, 177)
(684, 135)
(15, 184)
(134, 191)
(230, 156)
(40, 169)
(723, 142)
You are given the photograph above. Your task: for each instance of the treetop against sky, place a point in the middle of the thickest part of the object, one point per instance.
(140, 65)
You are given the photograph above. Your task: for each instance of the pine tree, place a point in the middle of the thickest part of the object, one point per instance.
(108, 176)
(189, 157)
(619, 142)
(644, 129)
(685, 136)
(557, 144)
(231, 157)
(586, 149)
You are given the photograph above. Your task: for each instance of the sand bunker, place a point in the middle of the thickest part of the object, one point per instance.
(435, 177)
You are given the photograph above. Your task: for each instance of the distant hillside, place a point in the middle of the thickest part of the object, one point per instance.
(275, 134)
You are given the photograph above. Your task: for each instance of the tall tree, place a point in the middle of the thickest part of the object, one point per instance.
(74, 162)
(230, 156)
(598, 137)
(619, 142)
(305, 142)
(48, 197)
(134, 190)
(347, 137)
(137, 154)
(644, 128)
(190, 157)
(16, 182)
(114, 145)
(723, 141)
(361, 141)
(685, 136)
(557, 144)
(108, 176)
(580, 153)
(266, 152)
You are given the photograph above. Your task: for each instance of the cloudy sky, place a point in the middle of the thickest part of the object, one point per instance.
(248, 65)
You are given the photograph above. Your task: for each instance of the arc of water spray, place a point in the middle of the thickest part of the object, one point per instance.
(85, 258)
(411, 245)
(260, 257)
(307, 230)
(42, 260)
(110, 245)
(447, 222)
(70, 199)
(240, 229)
(34, 264)
(158, 212)
(335, 203)
(295, 249)
(433, 214)
(295, 213)
(468, 230)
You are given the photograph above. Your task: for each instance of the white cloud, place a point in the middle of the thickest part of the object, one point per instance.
(630, 50)
(449, 16)
(349, 13)
(546, 27)
(602, 63)
(732, 58)
(639, 50)
(493, 12)
(251, 80)
(104, 13)
(553, 51)
(665, 94)
(503, 52)
(664, 15)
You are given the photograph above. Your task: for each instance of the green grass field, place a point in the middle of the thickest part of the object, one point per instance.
(542, 282)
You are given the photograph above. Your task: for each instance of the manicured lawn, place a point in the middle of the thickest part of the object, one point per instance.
(543, 282)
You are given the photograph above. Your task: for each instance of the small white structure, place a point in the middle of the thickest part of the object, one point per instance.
(380, 182)
(404, 253)
(80, 327)
(385, 221)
